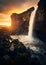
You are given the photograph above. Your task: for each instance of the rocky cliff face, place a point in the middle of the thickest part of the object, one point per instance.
(39, 29)
(20, 22)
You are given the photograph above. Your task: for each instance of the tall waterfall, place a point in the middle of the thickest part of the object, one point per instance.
(31, 22)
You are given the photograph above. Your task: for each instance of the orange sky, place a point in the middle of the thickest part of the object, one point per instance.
(7, 8)
(5, 20)
(17, 6)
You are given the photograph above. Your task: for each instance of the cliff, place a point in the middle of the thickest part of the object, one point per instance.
(39, 27)
(20, 22)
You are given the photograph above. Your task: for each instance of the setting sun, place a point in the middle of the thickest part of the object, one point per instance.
(5, 20)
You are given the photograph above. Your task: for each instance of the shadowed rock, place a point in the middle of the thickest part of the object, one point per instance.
(39, 29)
(15, 53)
(20, 22)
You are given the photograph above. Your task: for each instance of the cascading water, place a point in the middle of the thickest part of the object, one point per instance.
(31, 23)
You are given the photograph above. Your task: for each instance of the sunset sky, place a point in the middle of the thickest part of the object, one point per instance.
(7, 7)
(17, 6)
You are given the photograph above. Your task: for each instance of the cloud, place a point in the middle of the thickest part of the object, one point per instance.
(5, 5)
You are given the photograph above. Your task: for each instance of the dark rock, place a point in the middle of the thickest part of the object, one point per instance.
(39, 28)
(17, 55)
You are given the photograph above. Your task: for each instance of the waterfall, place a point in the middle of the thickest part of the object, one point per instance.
(31, 22)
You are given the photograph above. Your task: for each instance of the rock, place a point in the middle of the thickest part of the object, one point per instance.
(39, 27)
(19, 55)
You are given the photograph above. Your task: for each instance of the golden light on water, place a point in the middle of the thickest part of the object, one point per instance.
(5, 20)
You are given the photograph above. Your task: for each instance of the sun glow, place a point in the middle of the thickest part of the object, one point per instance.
(3, 24)
(5, 20)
